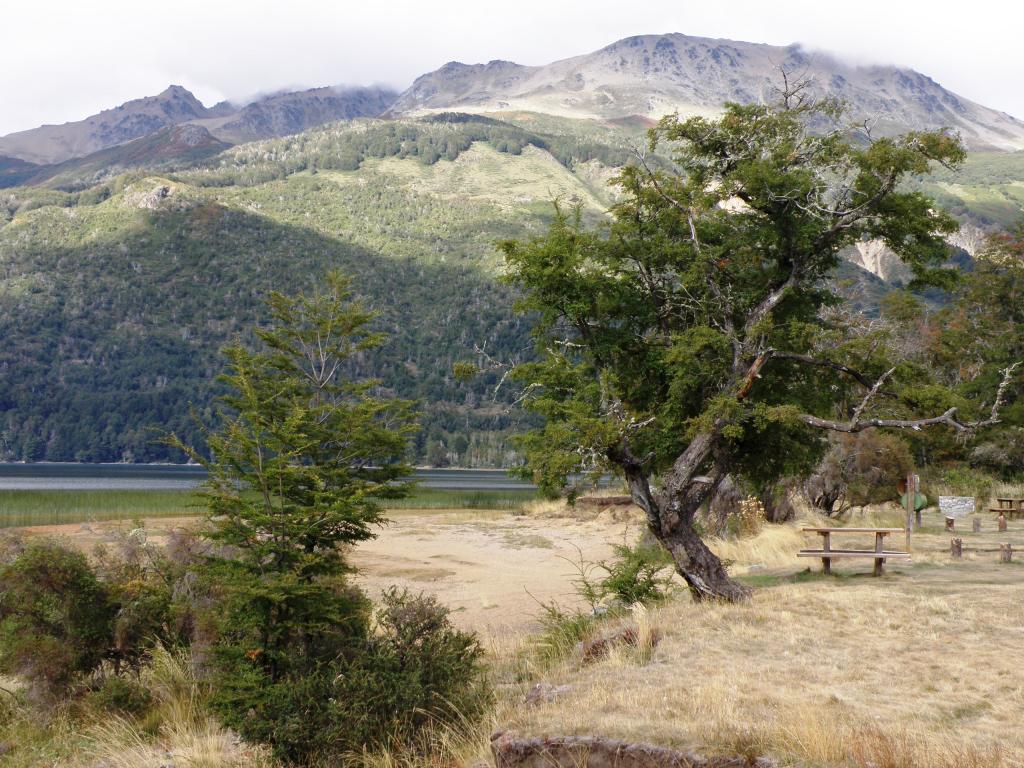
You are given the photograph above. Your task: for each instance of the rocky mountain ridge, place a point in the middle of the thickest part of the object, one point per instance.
(644, 76)
(51, 144)
(652, 75)
(273, 115)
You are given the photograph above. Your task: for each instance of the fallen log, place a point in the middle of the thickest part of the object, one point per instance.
(511, 751)
(604, 501)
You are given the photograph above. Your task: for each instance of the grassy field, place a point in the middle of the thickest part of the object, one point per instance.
(25, 508)
(917, 669)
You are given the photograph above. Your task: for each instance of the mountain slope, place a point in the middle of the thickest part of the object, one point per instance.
(283, 114)
(55, 143)
(653, 75)
(278, 114)
(178, 143)
(114, 301)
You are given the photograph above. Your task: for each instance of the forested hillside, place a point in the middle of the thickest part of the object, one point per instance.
(115, 299)
(118, 287)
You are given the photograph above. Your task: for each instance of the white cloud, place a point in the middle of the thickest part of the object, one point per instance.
(64, 59)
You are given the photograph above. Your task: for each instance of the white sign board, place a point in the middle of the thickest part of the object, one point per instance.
(956, 506)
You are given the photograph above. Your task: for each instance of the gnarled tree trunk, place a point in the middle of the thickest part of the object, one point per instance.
(700, 567)
(670, 515)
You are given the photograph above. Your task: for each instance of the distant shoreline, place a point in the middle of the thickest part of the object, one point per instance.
(200, 466)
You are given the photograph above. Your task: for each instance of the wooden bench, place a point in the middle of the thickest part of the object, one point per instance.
(1011, 508)
(879, 554)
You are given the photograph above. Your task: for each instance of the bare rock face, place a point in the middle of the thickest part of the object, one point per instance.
(511, 751)
(147, 199)
(878, 259)
(969, 237)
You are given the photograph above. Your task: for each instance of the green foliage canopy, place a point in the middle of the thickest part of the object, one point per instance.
(297, 469)
(689, 338)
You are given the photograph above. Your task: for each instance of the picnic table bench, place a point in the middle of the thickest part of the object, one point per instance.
(879, 554)
(1011, 508)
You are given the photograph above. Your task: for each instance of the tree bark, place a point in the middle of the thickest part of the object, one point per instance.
(700, 567)
(670, 514)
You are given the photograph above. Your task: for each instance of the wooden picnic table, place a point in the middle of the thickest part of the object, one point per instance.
(879, 553)
(1008, 507)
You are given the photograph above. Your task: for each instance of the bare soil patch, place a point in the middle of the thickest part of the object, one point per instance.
(491, 568)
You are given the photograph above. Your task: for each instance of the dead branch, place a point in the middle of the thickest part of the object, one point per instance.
(808, 360)
(949, 418)
(871, 393)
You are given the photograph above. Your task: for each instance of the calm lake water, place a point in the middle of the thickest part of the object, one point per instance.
(150, 477)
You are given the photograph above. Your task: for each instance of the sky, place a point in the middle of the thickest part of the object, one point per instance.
(63, 60)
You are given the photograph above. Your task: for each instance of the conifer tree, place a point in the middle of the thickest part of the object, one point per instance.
(297, 469)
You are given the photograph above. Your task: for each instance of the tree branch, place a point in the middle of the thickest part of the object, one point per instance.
(871, 393)
(948, 418)
(808, 360)
(769, 302)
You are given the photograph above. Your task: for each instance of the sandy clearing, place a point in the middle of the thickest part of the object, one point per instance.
(492, 568)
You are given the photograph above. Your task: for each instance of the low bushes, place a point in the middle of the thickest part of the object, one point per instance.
(408, 671)
(93, 633)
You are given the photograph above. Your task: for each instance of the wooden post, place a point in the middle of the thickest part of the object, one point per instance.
(910, 506)
(1005, 553)
(879, 561)
(956, 548)
(917, 512)
(950, 524)
(976, 525)
(826, 544)
(1002, 522)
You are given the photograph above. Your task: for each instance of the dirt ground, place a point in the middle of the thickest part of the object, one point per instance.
(493, 569)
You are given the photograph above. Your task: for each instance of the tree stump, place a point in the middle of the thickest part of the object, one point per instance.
(956, 548)
(950, 524)
(1002, 522)
(976, 525)
(1005, 553)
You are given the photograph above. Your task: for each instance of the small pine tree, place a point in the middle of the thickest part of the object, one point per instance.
(296, 470)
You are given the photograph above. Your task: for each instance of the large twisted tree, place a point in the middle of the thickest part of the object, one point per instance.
(689, 338)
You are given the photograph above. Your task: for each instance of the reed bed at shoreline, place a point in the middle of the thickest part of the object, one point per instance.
(19, 508)
(53, 507)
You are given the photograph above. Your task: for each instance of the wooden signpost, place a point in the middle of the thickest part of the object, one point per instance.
(913, 485)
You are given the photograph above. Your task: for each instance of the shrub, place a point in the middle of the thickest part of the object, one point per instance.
(964, 481)
(636, 574)
(415, 671)
(56, 617)
(122, 695)
(61, 618)
(858, 469)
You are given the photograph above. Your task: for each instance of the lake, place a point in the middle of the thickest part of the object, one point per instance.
(170, 477)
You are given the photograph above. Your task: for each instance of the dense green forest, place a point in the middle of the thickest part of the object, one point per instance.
(115, 298)
(118, 287)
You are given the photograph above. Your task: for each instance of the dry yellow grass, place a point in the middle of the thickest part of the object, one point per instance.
(919, 668)
(186, 738)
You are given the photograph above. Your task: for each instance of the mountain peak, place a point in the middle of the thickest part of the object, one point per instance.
(179, 93)
(131, 120)
(653, 75)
